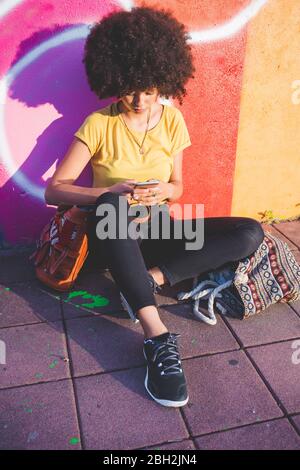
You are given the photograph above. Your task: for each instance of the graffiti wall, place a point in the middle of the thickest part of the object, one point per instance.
(242, 109)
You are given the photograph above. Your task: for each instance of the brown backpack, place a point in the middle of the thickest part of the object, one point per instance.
(62, 248)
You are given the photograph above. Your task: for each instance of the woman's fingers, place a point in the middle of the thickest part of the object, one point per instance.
(145, 196)
(147, 199)
(146, 192)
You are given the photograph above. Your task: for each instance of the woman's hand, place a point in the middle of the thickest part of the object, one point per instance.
(154, 195)
(125, 188)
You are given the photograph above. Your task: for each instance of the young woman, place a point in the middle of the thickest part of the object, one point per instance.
(138, 56)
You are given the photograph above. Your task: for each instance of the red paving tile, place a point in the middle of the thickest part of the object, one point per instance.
(16, 268)
(105, 343)
(276, 323)
(272, 435)
(196, 338)
(296, 420)
(24, 303)
(280, 365)
(39, 417)
(295, 306)
(297, 256)
(183, 445)
(117, 413)
(274, 230)
(95, 293)
(34, 353)
(290, 230)
(225, 391)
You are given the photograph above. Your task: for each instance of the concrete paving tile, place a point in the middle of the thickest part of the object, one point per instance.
(296, 420)
(187, 444)
(107, 343)
(104, 344)
(273, 230)
(225, 391)
(96, 292)
(272, 435)
(291, 230)
(168, 294)
(280, 365)
(25, 303)
(197, 338)
(93, 263)
(117, 413)
(297, 256)
(277, 322)
(39, 417)
(34, 353)
(16, 268)
(296, 305)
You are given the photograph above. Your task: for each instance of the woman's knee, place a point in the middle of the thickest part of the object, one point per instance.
(253, 234)
(117, 203)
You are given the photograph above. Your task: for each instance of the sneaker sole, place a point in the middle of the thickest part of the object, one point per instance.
(174, 404)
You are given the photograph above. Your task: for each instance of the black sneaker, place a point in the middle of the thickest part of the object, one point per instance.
(165, 381)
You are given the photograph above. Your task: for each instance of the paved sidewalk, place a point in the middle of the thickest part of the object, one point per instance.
(74, 372)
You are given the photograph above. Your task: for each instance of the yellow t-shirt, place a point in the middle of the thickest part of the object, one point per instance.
(115, 155)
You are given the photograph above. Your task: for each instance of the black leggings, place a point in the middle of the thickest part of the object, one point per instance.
(226, 240)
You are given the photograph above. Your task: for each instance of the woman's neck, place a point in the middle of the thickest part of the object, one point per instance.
(134, 117)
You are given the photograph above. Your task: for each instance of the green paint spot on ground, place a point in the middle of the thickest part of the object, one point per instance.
(7, 288)
(38, 375)
(73, 441)
(28, 410)
(53, 364)
(97, 300)
(76, 293)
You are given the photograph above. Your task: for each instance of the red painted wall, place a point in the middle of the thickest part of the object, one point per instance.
(47, 99)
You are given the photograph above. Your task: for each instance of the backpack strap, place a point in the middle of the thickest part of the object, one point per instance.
(54, 266)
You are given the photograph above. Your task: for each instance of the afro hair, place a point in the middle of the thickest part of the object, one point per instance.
(138, 50)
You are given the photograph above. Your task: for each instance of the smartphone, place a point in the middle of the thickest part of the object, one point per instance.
(146, 184)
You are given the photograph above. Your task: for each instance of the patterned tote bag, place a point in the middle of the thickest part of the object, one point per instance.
(270, 275)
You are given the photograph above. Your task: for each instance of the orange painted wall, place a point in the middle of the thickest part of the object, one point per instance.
(267, 174)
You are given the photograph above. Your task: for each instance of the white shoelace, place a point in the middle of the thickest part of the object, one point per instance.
(210, 290)
(167, 351)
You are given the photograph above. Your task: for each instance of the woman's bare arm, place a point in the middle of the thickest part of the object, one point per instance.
(176, 178)
(61, 189)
